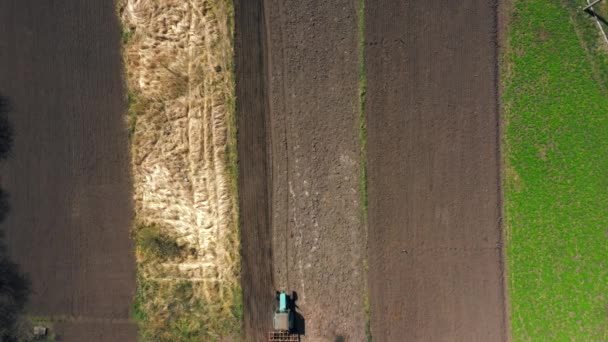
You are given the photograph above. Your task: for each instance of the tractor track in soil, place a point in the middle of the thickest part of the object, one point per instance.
(254, 172)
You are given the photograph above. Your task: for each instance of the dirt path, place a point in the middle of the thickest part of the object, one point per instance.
(434, 190)
(318, 244)
(254, 176)
(68, 178)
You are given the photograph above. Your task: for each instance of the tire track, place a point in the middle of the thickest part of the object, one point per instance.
(254, 172)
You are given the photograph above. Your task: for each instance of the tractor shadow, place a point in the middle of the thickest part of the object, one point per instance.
(299, 321)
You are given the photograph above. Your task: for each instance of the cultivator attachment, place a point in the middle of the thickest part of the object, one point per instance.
(283, 336)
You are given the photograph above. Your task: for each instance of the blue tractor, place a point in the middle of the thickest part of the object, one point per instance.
(284, 316)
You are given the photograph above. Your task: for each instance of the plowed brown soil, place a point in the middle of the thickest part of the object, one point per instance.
(318, 244)
(434, 191)
(254, 176)
(68, 177)
(299, 163)
(78, 330)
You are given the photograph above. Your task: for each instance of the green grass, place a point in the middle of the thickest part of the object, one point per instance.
(134, 107)
(237, 306)
(556, 178)
(45, 322)
(174, 311)
(361, 119)
(126, 35)
(152, 244)
(362, 123)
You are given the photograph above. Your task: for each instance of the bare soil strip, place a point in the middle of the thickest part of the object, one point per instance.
(434, 191)
(318, 236)
(254, 176)
(68, 178)
(95, 331)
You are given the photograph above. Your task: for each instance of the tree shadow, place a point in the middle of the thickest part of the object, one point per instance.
(14, 293)
(6, 130)
(4, 205)
(14, 285)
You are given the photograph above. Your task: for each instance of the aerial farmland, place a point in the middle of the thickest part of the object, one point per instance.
(280, 170)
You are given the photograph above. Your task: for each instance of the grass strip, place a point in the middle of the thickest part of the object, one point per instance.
(556, 128)
(362, 123)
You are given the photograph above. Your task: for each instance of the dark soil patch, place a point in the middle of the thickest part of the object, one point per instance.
(254, 176)
(68, 175)
(94, 331)
(435, 254)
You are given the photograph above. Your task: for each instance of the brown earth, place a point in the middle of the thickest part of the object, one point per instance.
(435, 254)
(299, 165)
(254, 192)
(95, 330)
(68, 177)
(318, 235)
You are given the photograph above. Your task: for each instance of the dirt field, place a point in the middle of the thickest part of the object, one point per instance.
(254, 191)
(96, 330)
(299, 163)
(68, 177)
(434, 190)
(318, 244)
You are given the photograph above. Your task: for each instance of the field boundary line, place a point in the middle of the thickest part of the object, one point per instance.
(504, 15)
(83, 319)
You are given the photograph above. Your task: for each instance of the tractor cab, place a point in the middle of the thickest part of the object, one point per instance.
(284, 316)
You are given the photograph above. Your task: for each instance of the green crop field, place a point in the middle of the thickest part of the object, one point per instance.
(555, 102)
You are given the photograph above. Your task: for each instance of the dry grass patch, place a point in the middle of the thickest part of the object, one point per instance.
(179, 65)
